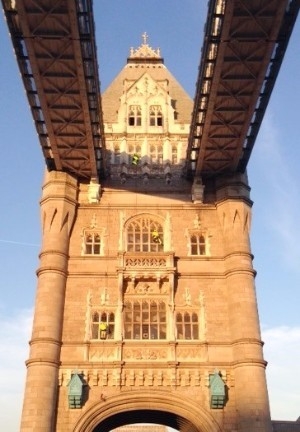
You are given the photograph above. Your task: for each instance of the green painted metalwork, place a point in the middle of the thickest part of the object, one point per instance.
(75, 391)
(217, 391)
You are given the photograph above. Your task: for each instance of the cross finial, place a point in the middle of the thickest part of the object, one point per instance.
(145, 37)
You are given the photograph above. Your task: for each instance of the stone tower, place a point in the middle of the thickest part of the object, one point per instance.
(146, 309)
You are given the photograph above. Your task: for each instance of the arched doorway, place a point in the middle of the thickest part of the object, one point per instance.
(147, 407)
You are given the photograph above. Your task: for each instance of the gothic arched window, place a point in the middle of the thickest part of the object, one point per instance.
(103, 325)
(135, 115)
(134, 149)
(156, 154)
(92, 243)
(144, 235)
(198, 246)
(145, 320)
(187, 326)
(155, 116)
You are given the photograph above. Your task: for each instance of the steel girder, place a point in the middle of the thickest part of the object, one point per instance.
(54, 42)
(243, 49)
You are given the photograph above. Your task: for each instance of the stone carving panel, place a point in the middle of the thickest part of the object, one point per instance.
(144, 354)
(102, 354)
(145, 262)
(193, 353)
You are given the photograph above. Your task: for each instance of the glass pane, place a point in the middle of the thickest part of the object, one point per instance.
(187, 318)
(127, 317)
(194, 249)
(127, 331)
(97, 249)
(96, 317)
(95, 328)
(153, 332)
(187, 331)
(179, 331)
(162, 317)
(130, 238)
(195, 331)
(195, 318)
(145, 332)
(136, 331)
(137, 316)
(179, 317)
(88, 249)
(163, 332)
(145, 316)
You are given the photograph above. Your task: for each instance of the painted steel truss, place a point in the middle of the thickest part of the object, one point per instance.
(244, 46)
(55, 46)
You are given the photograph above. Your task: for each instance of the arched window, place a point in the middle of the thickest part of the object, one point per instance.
(198, 246)
(187, 326)
(135, 115)
(156, 154)
(144, 235)
(103, 325)
(155, 116)
(145, 320)
(134, 149)
(92, 243)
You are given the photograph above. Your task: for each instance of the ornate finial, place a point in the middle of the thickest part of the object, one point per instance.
(144, 51)
(145, 38)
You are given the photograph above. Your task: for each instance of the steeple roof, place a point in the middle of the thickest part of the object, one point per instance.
(141, 60)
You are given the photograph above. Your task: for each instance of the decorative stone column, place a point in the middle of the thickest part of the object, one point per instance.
(58, 211)
(250, 391)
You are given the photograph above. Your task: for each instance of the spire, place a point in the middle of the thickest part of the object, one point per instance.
(144, 53)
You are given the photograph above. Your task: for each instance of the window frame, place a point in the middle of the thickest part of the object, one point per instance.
(133, 149)
(156, 154)
(155, 116)
(197, 244)
(187, 326)
(107, 317)
(92, 247)
(145, 319)
(134, 118)
(139, 235)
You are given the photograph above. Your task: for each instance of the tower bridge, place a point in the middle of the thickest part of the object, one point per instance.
(146, 307)
(243, 48)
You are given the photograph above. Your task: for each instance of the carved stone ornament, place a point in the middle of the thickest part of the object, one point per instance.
(93, 192)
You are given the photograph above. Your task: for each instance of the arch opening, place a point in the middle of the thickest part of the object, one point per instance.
(156, 407)
(155, 417)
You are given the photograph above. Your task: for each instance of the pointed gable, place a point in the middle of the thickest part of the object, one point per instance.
(143, 63)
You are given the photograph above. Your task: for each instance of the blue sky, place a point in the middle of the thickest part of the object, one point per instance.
(273, 172)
